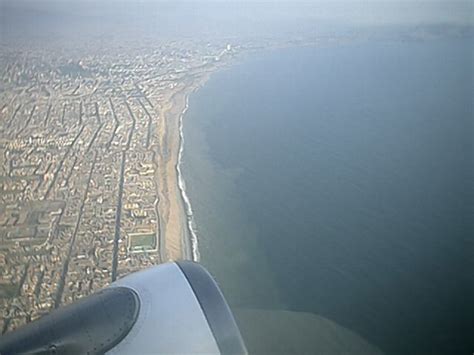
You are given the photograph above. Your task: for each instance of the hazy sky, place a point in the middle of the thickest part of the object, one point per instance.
(460, 11)
(223, 17)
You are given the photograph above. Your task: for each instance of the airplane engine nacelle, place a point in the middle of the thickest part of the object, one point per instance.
(174, 308)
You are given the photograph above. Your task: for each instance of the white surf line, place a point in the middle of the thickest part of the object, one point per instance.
(182, 188)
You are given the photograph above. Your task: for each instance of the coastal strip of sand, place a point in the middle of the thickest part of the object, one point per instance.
(178, 240)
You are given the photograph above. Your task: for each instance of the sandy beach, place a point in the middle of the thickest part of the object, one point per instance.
(175, 237)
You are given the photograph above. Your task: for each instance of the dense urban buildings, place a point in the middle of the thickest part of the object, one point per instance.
(89, 148)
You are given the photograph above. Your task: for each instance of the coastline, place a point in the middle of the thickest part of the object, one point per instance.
(178, 239)
(191, 249)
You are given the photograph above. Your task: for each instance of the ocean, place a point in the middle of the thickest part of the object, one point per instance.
(338, 181)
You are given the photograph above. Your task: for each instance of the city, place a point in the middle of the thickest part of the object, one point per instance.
(88, 152)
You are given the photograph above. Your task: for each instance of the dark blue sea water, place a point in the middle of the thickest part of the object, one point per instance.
(339, 180)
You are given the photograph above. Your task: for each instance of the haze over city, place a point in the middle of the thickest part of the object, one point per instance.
(315, 156)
